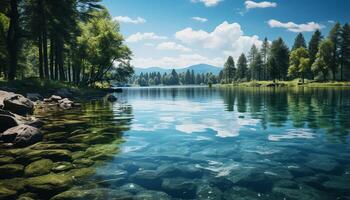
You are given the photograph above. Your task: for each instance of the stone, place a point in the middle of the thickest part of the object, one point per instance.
(6, 193)
(147, 178)
(81, 173)
(240, 193)
(221, 183)
(34, 96)
(98, 193)
(37, 123)
(83, 162)
(132, 188)
(322, 163)
(183, 171)
(50, 183)
(65, 103)
(6, 122)
(55, 98)
(340, 183)
(180, 188)
(151, 195)
(37, 168)
(28, 196)
(22, 135)
(11, 170)
(258, 181)
(61, 166)
(207, 192)
(111, 98)
(68, 146)
(18, 104)
(52, 154)
(297, 194)
(6, 160)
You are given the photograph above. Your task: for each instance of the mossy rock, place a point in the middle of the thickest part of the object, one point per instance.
(78, 154)
(11, 170)
(28, 196)
(99, 193)
(6, 193)
(16, 184)
(62, 166)
(71, 147)
(53, 154)
(78, 174)
(83, 162)
(38, 168)
(6, 160)
(51, 183)
(98, 152)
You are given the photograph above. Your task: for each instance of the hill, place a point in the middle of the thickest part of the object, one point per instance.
(200, 68)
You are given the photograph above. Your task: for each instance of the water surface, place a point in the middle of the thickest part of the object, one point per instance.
(210, 143)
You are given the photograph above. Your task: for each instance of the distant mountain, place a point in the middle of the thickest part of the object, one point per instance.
(200, 68)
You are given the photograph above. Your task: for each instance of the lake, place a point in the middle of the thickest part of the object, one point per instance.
(190, 143)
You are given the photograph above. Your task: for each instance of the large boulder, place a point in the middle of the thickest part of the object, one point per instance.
(22, 135)
(39, 167)
(11, 170)
(7, 120)
(18, 104)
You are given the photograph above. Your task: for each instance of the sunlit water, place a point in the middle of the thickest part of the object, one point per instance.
(210, 143)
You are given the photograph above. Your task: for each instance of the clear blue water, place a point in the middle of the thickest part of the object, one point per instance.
(194, 143)
(212, 143)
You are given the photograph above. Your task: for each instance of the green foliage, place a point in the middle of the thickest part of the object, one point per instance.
(242, 67)
(229, 70)
(278, 62)
(299, 42)
(324, 58)
(297, 66)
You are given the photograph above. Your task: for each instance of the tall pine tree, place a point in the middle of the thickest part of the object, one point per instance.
(299, 42)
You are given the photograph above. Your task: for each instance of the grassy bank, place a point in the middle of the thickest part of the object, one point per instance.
(46, 88)
(293, 83)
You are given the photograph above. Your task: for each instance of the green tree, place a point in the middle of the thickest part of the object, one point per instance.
(264, 51)
(299, 42)
(279, 53)
(324, 58)
(345, 50)
(242, 67)
(229, 70)
(256, 67)
(335, 37)
(313, 47)
(297, 66)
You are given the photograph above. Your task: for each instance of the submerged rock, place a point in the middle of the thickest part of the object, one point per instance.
(207, 192)
(62, 166)
(183, 171)
(87, 194)
(151, 195)
(147, 178)
(132, 188)
(181, 188)
(6, 160)
(6, 193)
(50, 183)
(322, 163)
(11, 170)
(38, 168)
(239, 193)
(22, 135)
(298, 194)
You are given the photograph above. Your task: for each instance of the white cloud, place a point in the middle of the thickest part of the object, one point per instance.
(179, 61)
(144, 36)
(227, 38)
(149, 44)
(172, 46)
(263, 4)
(291, 26)
(126, 19)
(207, 3)
(200, 19)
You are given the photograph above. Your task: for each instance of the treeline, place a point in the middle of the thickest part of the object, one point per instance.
(322, 59)
(68, 40)
(174, 78)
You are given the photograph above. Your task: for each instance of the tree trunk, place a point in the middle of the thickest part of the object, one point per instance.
(56, 60)
(52, 59)
(12, 39)
(46, 64)
(41, 69)
(60, 60)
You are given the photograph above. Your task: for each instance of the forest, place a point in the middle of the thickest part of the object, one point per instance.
(324, 59)
(72, 41)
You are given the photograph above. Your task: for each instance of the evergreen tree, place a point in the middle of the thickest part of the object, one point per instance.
(256, 68)
(229, 70)
(335, 37)
(345, 50)
(264, 51)
(242, 67)
(299, 42)
(279, 53)
(313, 48)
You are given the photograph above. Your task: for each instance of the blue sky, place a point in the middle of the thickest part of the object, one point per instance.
(179, 33)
